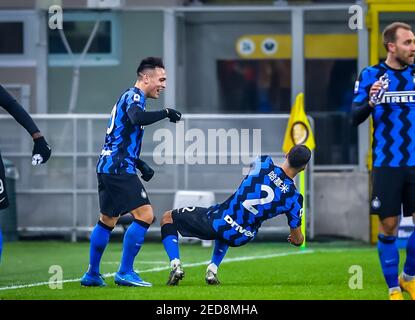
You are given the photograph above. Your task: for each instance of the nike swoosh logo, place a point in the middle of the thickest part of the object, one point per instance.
(2, 199)
(389, 261)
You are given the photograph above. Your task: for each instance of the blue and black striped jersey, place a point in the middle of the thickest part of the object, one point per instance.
(123, 139)
(264, 193)
(394, 118)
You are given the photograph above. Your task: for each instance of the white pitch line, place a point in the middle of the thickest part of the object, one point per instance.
(189, 265)
(139, 262)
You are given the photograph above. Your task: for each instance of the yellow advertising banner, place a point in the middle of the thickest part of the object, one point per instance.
(316, 46)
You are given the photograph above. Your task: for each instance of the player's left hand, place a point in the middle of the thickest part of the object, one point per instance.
(173, 115)
(41, 151)
(145, 169)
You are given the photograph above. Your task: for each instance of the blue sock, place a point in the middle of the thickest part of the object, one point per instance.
(409, 267)
(389, 259)
(99, 239)
(171, 245)
(1, 244)
(219, 252)
(133, 240)
(170, 240)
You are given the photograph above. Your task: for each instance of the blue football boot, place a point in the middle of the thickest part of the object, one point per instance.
(93, 280)
(130, 279)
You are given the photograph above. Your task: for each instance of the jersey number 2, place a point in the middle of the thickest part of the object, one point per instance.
(250, 203)
(114, 110)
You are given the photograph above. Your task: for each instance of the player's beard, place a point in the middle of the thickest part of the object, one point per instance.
(404, 60)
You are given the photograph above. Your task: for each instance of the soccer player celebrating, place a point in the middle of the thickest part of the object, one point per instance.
(267, 191)
(41, 150)
(120, 190)
(387, 92)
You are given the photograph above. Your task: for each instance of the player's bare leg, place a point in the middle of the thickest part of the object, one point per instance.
(108, 221)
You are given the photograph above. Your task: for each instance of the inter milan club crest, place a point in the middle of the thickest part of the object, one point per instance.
(376, 203)
(143, 194)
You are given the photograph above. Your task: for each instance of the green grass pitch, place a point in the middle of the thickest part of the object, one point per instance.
(257, 271)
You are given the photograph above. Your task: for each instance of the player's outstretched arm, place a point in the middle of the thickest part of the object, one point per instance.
(17, 111)
(173, 115)
(295, 237)
(41, 150)
(145, 118)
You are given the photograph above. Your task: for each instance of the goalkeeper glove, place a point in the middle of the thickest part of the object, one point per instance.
(146, 171)
(173, 115)
(41, 151)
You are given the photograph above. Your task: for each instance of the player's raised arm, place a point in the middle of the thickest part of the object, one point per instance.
(365, 87)
(41, 151)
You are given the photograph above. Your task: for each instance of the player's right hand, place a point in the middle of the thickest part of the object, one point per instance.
(41, 151)
(173, 115)
(374, 90)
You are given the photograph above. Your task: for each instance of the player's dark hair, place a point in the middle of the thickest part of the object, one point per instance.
(389, 33)
(299, 156)
(149, 63)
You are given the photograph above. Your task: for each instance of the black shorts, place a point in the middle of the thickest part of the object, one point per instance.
(4, 201)
(391, 188)
(194, 222)
(120, 193)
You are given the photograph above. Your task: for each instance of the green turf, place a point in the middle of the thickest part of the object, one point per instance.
(319, 272)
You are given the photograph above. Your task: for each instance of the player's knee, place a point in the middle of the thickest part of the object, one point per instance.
(389, 229)
(108, 221)
(144, 213)
(166, 218)
(389, 226)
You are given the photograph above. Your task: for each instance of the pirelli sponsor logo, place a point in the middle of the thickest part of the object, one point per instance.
(399, 97)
